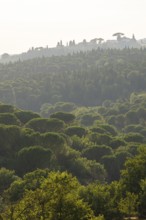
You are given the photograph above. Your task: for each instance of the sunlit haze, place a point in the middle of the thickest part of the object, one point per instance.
(27, 23)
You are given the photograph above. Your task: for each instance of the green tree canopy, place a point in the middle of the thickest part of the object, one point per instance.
(64, 116)
(31, 158)
(43, 125)
(56, 198)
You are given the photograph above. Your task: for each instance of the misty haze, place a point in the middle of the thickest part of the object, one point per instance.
(73, 110)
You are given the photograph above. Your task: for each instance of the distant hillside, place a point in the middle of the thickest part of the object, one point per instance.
(85, 78)
(72, 47)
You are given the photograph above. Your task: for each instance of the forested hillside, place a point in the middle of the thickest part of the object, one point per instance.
(72, 137)
(84, 78)
(102, 146)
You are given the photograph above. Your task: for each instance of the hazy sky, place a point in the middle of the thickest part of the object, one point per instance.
(27, 23)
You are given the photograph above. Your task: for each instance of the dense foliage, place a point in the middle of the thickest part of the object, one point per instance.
(74, 158)
(84, 78)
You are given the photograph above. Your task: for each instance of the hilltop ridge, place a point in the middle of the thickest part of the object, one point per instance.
(71, 47)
